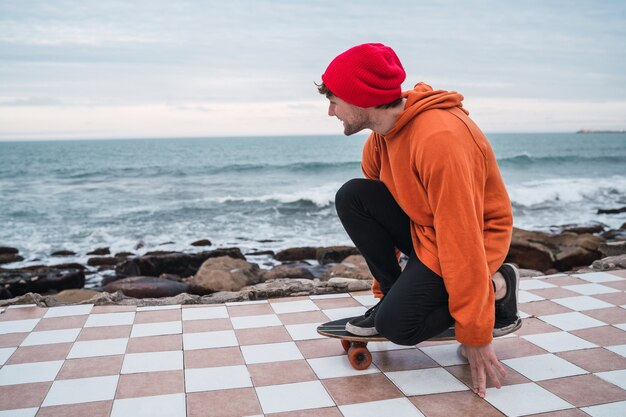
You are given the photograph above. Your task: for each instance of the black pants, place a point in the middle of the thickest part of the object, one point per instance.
(415, 303)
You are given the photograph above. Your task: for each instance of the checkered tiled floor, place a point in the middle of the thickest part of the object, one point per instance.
(265, 359)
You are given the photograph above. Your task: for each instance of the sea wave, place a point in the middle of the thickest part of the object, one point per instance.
(526, 159)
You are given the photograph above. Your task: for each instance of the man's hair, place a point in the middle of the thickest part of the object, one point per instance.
(325, 91)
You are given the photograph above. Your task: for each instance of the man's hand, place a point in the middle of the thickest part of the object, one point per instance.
(483, 360)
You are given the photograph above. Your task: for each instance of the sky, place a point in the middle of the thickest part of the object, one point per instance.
(193, 68)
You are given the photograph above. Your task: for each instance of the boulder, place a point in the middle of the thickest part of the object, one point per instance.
(124, 254)
(7, 258)
(15, 283)
(613, 248)
(103, 260)
(147, 287)
(202, 242)
(335, 254)
(349, 284)
(75, 296)
(182, 264)
(582, 229)
(261, 252)
(100, 252)
(612, 211)
(63, 253)
(296, 254)
(224, 274)
(610, 263)
(6, 250)
(283, 287)
(294, 270)
(353, 266)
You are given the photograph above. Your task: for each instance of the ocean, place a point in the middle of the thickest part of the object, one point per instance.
(259, 193)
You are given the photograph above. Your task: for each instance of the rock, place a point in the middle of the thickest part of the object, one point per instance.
(283, 287)
(349, 284)
(530, 273)
(103, 260)
(182, 264)
(612, 211)
(145, 287)
(15, 283)
(529, 255)
(613, 248)
(334, 254)
(6, 250)
(611, 263)
(296, 254)
(353, 266)
(75, 296)
(7, 258)
(160, 253)
(263, 252)
(224, 274)
(63, 253)
(295, 270)
(202, 242)
(124, 254)
(582, 229)
(100, 252)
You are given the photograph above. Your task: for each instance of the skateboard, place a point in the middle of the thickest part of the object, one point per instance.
(356, 346)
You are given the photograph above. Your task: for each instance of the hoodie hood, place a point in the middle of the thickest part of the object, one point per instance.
(423, 98)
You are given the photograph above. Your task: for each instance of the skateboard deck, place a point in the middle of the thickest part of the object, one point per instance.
(356, 346)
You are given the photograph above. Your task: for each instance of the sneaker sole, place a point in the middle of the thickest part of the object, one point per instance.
(360, 331)
(503, 331)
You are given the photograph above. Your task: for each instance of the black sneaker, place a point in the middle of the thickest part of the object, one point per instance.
(364, 325)
(507, 317)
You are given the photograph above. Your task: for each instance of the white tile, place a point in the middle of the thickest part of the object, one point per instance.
(559, 342)
(158, 308)
(217, 378)
(598, 277)
(340, 313)
(366, 300)
(526, 297)
(337, 366)
(272, 352)
(246, 303)
(207, 340)
(534, 284)
(110, 319)
(5, 354)
(400, 407)
(542, 367)
(65, 311)
(619, 349)
(582, 303)
(426, 381)
(82, 390)
(26, 373)
(156, 329)
(571, 321)
(172, 405)
(49, 337)
(590, 289)
(22, 412)
(606, 410)
(621, 326)
(204, 313)
(445, 355)
(615, 377)
(522, 314)
(385, 346)
(253, 322)
(328, 296)
(94, 348)
(291, 397)
(21, 306)
(550, 276)
(523, 399)
(18, 326)
(294, 306)
(135, 363)
(307, 331)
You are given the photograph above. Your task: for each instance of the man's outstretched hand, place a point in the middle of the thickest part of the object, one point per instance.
(483, 362)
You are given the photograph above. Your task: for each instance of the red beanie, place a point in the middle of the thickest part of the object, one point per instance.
(366, 75)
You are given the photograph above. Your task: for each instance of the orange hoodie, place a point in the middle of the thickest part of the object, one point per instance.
(441, 170)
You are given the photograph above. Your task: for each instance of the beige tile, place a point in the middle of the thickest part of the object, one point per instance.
(515, 347)
(360, 389)
(91, 367)
(330, 303)
(288, 299)
(620, 273)
(112, 309)
(463, 373)
(23, 313)
(23, 395)
(40, 353)
(12, 339)
(320, 348)
(303, 317)
(402, 360)
(158, 316)
(552, 293)
(210, 325)
(58, 323)
(603, 336)
(275, 373)
(449, 404)
(563, 281)
(94, 409)
(543, 308)
(101, 333)
(224, 403)
(274, 334)
(613, 315)
(533, 325)
(618, 285)
(210, 358)
(584, 390)
(250, 310)
(616, 298)
(155, 343)
(572, 412)
(150, 384)
(317, 412)
(595, 360)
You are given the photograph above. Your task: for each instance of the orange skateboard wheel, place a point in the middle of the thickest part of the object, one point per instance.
(360, 357)
(346, 345)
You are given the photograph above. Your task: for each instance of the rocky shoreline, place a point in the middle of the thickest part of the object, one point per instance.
(225, 274)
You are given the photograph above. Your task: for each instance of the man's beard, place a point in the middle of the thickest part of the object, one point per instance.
(360, 122)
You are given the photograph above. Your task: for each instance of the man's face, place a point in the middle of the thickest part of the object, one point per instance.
(354, 118)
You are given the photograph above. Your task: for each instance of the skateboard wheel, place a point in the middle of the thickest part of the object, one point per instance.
(346, 345)
(360, 358)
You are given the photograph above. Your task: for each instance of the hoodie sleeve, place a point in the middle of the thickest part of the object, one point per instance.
(453, 172)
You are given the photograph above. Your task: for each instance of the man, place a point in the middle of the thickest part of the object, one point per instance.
(432, 191)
